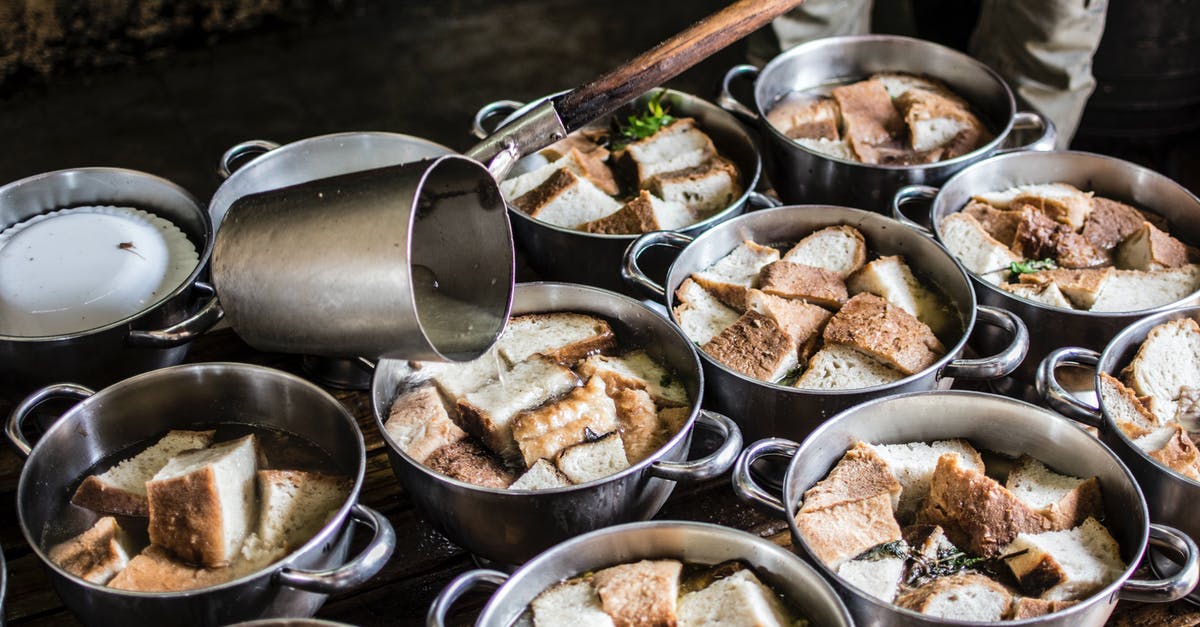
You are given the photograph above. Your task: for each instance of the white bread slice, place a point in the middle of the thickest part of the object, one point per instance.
(935, 121)
(517, 186)
(843, 531)
(542, 475)
(1127, 411)
(1134, 290)
(1046, 293)
(456, 380)
(1064, 500)
(566, 199)
(419, 424)
(886, 332)
(860, 473)
(572, 603)
(892, 279)
(1062, 202)
(1081, 286)
(541, 433)
(913, 464)
(202, 503)
(869, 118)
(1173, 448)
(640, 593)
(561, 336)
(836, 148)
(801, 282)
(963, 596)
(96, 555)
(700, 314)
(977, 251)
(294, 505)
(807, 118)
(739, 600)
(593, 460)
(1065, 565)
(1167, 360)
(704, 190)
(155, 569)
(639, 371)
(680, 145)
(837, 367)
(468, 461)
(644, 213)
(896, 83)
(1150, 249)
(756, 346)
(487, 413)
(642, 432)
(839, 249)
(122, 488)
(879, 578)
(731, 276)
(803, 321)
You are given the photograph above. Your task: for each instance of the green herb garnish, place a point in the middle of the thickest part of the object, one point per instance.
(791, 376)
(665, 381)
(895, 548)
(645, 124)
(1032, 266)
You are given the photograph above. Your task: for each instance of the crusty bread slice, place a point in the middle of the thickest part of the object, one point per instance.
(739, 600)
(294, 505)
(1187, 408)
(869, 118)
(1064, 500)
(579, 157)
(913, 465)
(801, 282)
(641, 430)
(879, 578)
(929, 541)
(704, 190)
(640, 593)
(1046, 293)
(935, 121)
(639, 371)
(896, 83)
(802, 321)
(572, 603)
(1027, 607)
(591, 165)
(122, 488)
(700, 314)
(860, 473)
(202, 503)
(593, 460)
(1110, 222)
(892, 279)
(807, 118)
(542, 475)
(963, 596)
(1134, 290)
(517, 186)
(1167, 360)
(1001, 224)
(1065, 565)
(886, 332)
(584, 141)
(680, 145)
(563, 337)
(644, 213)
(731, 276)
(673, 419)
(842, 532)
(419, 424)
(837, 367)
(836, 148)
(1173, 448)
(541, 433)
(155, 569)
(977, 251)
(1127, 410)
(96, 555)
(839, 249)
(1081, 287)
(1062, 202)
(1150, 249)
(756, 346)
(468, 461)
(457, 379)
(566, 199)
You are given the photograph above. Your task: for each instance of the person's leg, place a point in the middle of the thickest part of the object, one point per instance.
(1044, 49)
(813, 20)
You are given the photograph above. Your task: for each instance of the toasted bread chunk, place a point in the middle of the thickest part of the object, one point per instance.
(641, 432)
(1081, 287)
(517, 186)
(566, 199)
(643, 214)
(542, 475)
(879, 578)
(1073, 250)
(1026, 607)
(1110, 222)
(639, 371)
(1062, 202)
(739, 600)
(582, 141)
(643, 593)
(1126, 409)
(914, 463)
(836, 148)
(294, 505)
(704, 190)
(591, 165)
(999, 223)
(1167, 360)
(1150, 249)
(928, 540)
(582, 157)
(1037, 234)
(976, 513)
(1046, 293)
(731, 276)
(806, 118)
(96, 555)
(122, 488)
(1134, 290)
(1065, 565)
(868, 117)
(469, 462)
(977, 251)
(572, 603)
(156, 570)
(561, 336)
(963, 596)
(841, 532)
(885, 332)
(890, 278)
(457, 379)
(673, 419)
(860, 473)
(593, 460)
(202, 503)
(937, 121)
(896, 83)
(419, 423)
(801, 282)
(700, 314)
(801, 320)
(541, 433)
(838, 249)
(487, 413)
(680, 145)
(756, 346)
(837, 367)
(1173, 448)
(1064, 500)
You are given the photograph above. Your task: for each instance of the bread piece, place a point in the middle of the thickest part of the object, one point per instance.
(963, 596)
(563, 337)
(1173, 448)
(487, 413)
(1081, 287)
(419, 424)
(936, 121)
(593, 460)
(841, 532)
(976, 513)
(890, 278)
(1148, 248)
(838, 249)
(703, 190)
(913, 465)
(836, 148)
(928, 541)
(756, 346)
(673, 419)
(868, 117)
(566, 199)
(801, 320)
(542, 475)
(640, 594)
(591, 165)
(96, 555)
(1064, 500)
(1062, 202)
(680, 145)
(860, 473)
(885, 332)
(806, 118)
(837, 367)
(879, 578)
(1167, 360)
(582, 140)
(585, 412)
(896, 83)
(643, 214)
(639, 371)
(731, 276)
(1127, 410)
(977, 251)
(801, 282)
(1073, 250)
(641, 431)
(572, 603)
(294, 505)
(1187, 410)
(1134, 290)
(1110, 222)
(467, 461)
(457, 379)
(122, 488)
(156, 570)
(1026, 607)
(1065, 565)
(739, 600)
(1001, 224)
(700, 314)
(1037, 234)
(202, 503)
(1046, 293)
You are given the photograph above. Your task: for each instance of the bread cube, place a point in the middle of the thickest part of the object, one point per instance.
(641, 430)
(593, 460)
(294, 505)
(637, 370)
(467, 461)
(886, 332)
(1135, 290)
(739, 600)
(837, 367)
(755, 346)
(1110, 222)
(487, 413)
(913, 465)
(1062, 202)
(732, 276)
(1173, 448)
(1167, 360)
(566, 199)
(963, 596)
(891, 279)
(542, 475)
(860, 473)
(1148, 248)
(879, 578)
(1065, 565)
(703, 190)
(869, 118)
(643, 214)
(803, 118)
(842, 532)
(808, 283)
(457, 379)
(1081, 287)
(977, 251)
(640, 593)
(680, 145)
(701, 315)
(936, 121)
(838, 249)
(801, 320)
(96, 555)
(572, 603)
(122, 488)
(155, 569)
(1128, 411)
(1064, 500)
(586, 411)
(563, 337)
(419, 424)
(1026, 607)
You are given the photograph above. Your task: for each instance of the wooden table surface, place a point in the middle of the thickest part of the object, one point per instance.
(424, 561)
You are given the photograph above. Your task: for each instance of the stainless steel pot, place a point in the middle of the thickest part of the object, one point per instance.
(1170, 496)
(765, 409)
(1055, 327)
(154, 337)
(692, 542)
(187, 397)
(803, 176)
(520, 524)
(994, 423)
(562, 254)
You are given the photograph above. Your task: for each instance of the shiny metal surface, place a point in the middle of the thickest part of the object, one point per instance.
(1052, 327)
(1001, 425)
(186, 397)
(532, 129)
(152, 338)
(691, 542)
(520, 524)
(764, 409)
(802, 176)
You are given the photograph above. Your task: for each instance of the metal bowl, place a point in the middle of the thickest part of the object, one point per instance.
(994, 423)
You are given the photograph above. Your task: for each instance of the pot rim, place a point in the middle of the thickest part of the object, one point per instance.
(633, 469)
(204, 252)
(966, 60)
(336, 521)
(1108, 591)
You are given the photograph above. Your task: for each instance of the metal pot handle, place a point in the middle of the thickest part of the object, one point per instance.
(1056, 396)
(23, 410)
(1032, 120)
(908, 194)
(758, 200)
(1001, 364)
(241, 154)
(356, 571)
(184, 331)
(505, 107)
(712, 465)
(744, 485)
(726, 99)
(632, 272)
(1173, 587)
(461, 584)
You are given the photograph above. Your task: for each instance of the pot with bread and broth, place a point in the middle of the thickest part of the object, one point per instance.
(200, 494)
(1078, 245)
(1147, 408)
(580, 417)
(801, 312)
(962, 508)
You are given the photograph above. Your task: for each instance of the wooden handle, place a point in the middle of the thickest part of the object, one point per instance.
(666, 60)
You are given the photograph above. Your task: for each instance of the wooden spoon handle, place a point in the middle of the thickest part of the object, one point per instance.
(666, 60)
